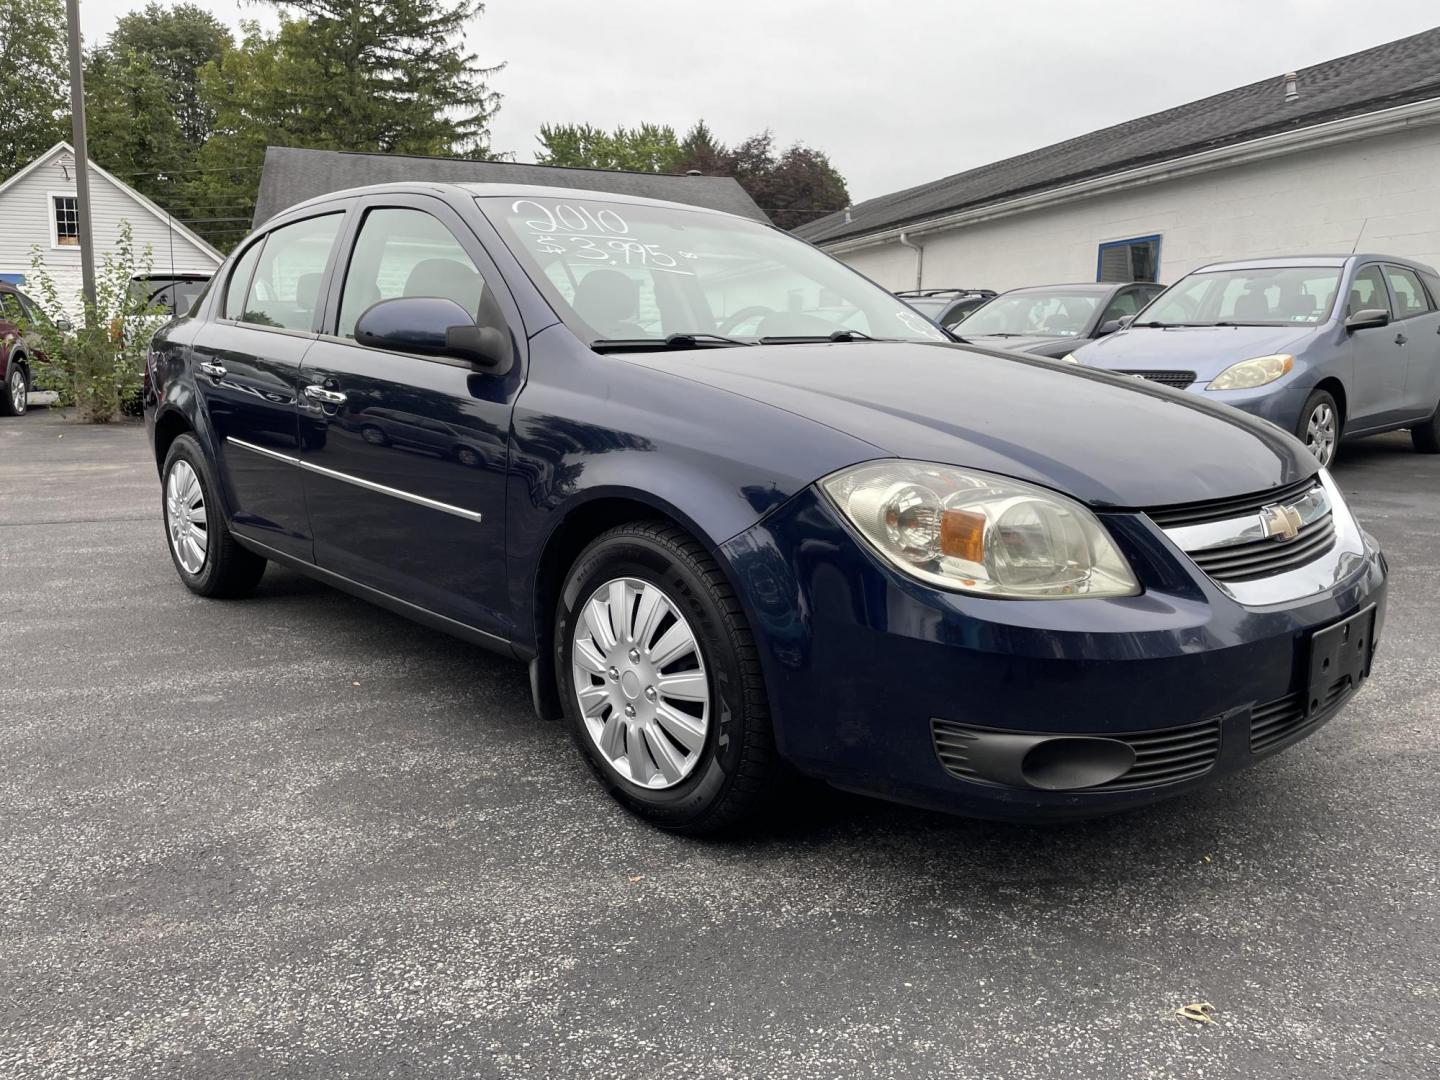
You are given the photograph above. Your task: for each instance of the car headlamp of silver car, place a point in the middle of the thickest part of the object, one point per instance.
(979, 533)
(1257, 371)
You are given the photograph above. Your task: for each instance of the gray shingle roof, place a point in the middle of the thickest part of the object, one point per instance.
(292, 176)
(1387, 75)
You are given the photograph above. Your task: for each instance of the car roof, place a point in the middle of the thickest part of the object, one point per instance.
(1280, 262)
(1079, 288)
(480, 191)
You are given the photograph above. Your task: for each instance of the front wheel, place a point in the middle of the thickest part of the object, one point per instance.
(661, 683)
(1320, 427)
(207, 558)
(15, 394)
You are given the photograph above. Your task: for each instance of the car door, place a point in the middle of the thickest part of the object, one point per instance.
(1378, 361)
(247, 372)
(418, 513)
(1417, 326)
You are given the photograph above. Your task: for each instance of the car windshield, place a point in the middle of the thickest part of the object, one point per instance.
(175, 296)
(1257, 296)
(1034, 313)
(643, 273)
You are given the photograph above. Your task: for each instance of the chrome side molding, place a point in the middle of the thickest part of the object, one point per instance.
(368, 485)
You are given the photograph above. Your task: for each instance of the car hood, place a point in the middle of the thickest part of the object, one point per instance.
(1205, 350)
(1108, 440)
(1031, 343)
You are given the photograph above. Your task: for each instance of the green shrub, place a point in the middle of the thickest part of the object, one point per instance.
(97, 366)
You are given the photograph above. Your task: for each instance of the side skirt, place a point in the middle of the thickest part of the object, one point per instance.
(421, 615)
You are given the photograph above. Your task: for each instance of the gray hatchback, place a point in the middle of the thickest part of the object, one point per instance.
(1328, 347)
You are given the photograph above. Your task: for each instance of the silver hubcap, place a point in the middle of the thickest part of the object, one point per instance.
(185, 517)
(1320, 433)
(17, 390)
(640, 682)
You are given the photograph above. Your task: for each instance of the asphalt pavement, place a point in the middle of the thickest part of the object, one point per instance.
(298, 836)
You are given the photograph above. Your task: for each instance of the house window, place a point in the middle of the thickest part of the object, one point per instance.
(1129, 260)
(67, 221)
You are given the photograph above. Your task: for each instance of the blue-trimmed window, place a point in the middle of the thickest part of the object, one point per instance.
(1129, 260)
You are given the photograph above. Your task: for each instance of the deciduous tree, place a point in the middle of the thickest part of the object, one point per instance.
(34, 74)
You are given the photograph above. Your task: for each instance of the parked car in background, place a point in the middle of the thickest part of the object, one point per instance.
(1329, 348)
(17, 355)
(811, 533)
(946, 307)
(1053, 320)
(170, 294)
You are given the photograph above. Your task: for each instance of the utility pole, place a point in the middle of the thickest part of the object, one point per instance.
(82, 162)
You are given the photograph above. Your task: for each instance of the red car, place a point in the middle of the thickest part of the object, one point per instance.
(15, 353)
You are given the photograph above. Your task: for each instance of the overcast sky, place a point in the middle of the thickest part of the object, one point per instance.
(897, 93)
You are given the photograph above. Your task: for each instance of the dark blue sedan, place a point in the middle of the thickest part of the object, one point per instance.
(746, 515)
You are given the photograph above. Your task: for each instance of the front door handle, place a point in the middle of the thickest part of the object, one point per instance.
(328, 397)
(1400, 339)
(215, 371)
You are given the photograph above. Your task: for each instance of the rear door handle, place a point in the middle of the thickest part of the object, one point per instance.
(215, 371)
(329, 397)
(1400, 339)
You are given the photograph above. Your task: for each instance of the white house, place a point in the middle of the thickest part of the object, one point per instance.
(37, 210)
(1341, 156)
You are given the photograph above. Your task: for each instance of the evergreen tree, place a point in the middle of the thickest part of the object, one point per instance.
(34, 77)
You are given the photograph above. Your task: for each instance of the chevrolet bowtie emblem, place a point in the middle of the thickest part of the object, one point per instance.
(1280, 522)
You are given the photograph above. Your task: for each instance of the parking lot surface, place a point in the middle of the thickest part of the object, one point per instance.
(297, 835)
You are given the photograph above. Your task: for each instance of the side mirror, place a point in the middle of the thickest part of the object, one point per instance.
(1367, 319)
(1109, 326)
(433, 326)
(64, 325)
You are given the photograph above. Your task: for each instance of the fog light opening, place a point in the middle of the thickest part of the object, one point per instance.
(1066, 764)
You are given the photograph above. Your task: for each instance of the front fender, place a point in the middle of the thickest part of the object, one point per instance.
(589, 427)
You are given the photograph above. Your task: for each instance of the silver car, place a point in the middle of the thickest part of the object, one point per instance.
(1328, 347)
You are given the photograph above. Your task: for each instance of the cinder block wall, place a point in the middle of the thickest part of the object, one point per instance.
(1314, 202)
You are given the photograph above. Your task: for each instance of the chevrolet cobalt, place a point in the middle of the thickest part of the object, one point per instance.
(746, 515)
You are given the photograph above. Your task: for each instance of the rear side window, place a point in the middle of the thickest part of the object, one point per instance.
(10, 310)
(404, 252)
(1410, 298)
(286, 288)
(240, 281)
(1367, 292)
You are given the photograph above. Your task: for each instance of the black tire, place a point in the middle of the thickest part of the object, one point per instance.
(1321, 400)
(228, 570)
(13, 402)
(1426, 437)
(737, 769)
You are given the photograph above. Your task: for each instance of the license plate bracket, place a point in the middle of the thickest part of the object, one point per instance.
(1339, 659)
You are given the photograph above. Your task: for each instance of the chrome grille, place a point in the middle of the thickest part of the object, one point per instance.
(1197, 513)
(1161, 757)
(1264, 558)
(1251, 537)
(1178, 379)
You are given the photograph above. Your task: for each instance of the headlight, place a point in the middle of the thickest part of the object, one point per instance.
(1256, 371)
(979, 533)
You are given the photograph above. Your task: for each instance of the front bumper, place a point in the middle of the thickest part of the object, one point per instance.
(864, 665)
(1281, 405)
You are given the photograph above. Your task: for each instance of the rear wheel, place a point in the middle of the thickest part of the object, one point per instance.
(207, 558)
(1320, 426)
(661, 683)
(1426, 437)
(14, 395)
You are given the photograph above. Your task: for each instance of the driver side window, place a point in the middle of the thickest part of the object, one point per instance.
(1367, 292)
(405, 252)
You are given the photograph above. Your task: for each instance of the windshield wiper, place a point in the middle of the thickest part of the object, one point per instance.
(686, 340)
(835, 335)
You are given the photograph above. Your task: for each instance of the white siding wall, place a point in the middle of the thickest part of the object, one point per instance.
(25, 221)
(1305, 203)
